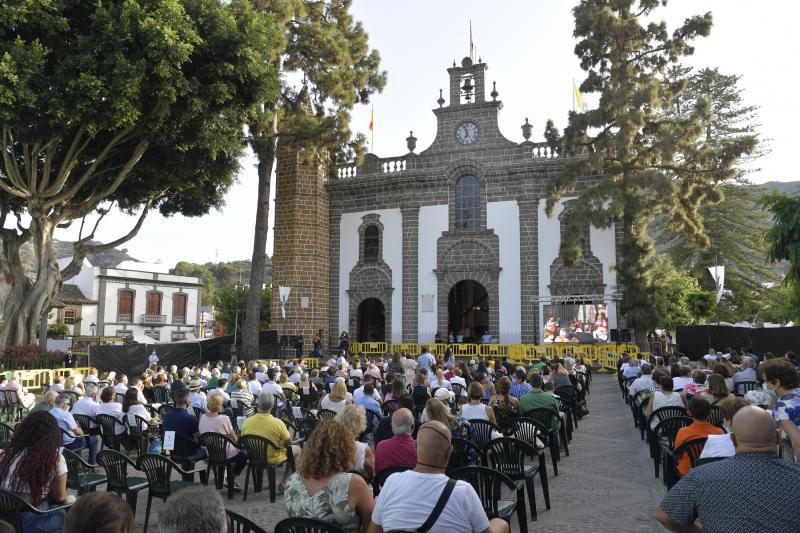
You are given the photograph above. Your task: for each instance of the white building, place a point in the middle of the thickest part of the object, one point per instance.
(130, 303)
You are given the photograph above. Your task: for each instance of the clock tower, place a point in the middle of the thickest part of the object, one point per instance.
(469, 120)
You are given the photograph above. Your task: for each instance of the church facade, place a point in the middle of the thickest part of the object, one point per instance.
(450, 241)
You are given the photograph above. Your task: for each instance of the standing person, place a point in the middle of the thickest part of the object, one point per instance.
(152, 358)
(298, 346)
(780, 376)
(33, 467)
(317, 350)
(426, 361)
(409, 368)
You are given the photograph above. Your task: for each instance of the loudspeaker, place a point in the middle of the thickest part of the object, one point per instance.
(625, 335)
(614, 335)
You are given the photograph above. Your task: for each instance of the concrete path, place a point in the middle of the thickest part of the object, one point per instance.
(605, 485)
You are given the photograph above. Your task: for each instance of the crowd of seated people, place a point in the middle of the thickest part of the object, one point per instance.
(748, 455)
(380, 409)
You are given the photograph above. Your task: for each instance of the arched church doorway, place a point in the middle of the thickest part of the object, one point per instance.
(468, 310)
(371, 321)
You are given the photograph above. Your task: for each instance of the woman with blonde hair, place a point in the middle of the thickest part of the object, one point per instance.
(337, 399)
(437, 380)
(323, 488)
(459, 426)
(71, 385)
(354, 418)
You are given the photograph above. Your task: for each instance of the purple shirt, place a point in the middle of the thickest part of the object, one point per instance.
(400, 450)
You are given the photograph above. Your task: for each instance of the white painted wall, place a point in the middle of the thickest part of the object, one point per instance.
(433, 222)
(392, 220)
(549, 239)
(503, 218)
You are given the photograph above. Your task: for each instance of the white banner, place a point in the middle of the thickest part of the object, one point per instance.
(284, 296)
(718, 274)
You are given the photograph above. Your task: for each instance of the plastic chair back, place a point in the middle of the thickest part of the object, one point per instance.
(217, 447)
(465, 453)
(240, 524)
(383, 475)
(488, 484)
(305, 525)
(508, 454)
(158, 471)
(116, 466)
(483, 430)
(326, 414)
(6, 432)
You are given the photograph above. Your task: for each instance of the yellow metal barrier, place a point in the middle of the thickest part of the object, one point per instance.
(464, 349)
(64, 372)
(410, 348)
(311, 362)
(493, 350)
(35, 379)
(372, 348)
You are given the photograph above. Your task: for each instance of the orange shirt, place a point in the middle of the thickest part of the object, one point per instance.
(695, 430)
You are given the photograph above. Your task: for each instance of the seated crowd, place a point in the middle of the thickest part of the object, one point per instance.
(368, 417)
(734, 463)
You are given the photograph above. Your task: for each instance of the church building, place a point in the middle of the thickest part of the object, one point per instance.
(450, 240)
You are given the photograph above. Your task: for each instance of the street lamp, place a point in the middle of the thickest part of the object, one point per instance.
(92, 328)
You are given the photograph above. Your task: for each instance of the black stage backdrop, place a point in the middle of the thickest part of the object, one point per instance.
(694, 341)
(131, 359)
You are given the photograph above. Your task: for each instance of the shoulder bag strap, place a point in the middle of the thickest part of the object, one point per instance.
(439, 507)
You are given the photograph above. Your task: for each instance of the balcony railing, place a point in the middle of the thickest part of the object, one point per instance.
(126, 318)
(154, 320)
(178, 319)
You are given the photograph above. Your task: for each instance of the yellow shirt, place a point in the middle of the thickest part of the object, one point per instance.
(267, 426)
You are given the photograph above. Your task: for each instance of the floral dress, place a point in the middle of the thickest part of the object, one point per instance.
(329, 504)
(787, 407)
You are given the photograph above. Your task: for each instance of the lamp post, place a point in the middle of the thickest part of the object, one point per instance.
(93, 330)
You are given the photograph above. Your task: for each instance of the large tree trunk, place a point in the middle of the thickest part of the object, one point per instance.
(28, 301)
(265, 149)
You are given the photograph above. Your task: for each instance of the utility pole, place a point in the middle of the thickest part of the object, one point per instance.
(236, 320)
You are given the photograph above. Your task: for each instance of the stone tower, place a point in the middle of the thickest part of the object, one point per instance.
(301, 257)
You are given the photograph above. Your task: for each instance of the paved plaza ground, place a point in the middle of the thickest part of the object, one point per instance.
(605, 485)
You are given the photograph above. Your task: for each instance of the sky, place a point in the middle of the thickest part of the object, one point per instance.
(528, 46)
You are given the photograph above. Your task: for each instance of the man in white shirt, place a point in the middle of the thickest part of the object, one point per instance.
(399, 506)
(295, 375)
(92, 377)
(680, 382)
(152, 358)
(632, 370)
(139, 386)
(261, 374)
(222, 384)
(196, 397)
(271, 386)
(645, 382)
(254, 384)
(122, 384)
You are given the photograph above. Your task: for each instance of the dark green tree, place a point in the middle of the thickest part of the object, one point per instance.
(230, 304)
(206, 278)
(642, 162)
(137, 105)
(735, 225)
(783, 243)
(701, 304)
(324, 46)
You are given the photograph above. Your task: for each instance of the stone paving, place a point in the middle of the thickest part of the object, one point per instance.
(605, 485)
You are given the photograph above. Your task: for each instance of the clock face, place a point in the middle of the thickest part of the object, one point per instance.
(467, 133)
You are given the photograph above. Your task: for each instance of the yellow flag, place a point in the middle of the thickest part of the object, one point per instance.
(578, 97)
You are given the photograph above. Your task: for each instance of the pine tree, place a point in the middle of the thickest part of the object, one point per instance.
(643, 163)
(783, 243)
(324, 46)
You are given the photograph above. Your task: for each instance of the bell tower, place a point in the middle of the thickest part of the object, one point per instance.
(301, 257)
(467, 83)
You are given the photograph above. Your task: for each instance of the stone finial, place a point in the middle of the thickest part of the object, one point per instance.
(494, 92)
(411, 142)
(440, 101)
(526, 130)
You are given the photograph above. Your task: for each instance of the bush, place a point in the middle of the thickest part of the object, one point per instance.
(58, 329)
(31, 356)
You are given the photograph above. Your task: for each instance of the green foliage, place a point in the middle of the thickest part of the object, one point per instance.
(206, 277)
(701, 304)
(783, 243)
(782, 304)
(58, 328)
(645, 163)
(137, 104)
(671, 288)
(230, 298)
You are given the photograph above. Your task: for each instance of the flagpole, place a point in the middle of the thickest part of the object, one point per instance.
(573, 95)
(372, 129)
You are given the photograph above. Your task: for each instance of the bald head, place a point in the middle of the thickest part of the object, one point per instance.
(433, 444)
(754, 431)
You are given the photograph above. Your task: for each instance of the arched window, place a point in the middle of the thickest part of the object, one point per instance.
(468, 203)
(372, 243)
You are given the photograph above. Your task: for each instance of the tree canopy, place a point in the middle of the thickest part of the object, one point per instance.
(641, 162)
(325, 47)
(135, 105)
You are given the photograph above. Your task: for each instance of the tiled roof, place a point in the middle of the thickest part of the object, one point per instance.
(72, 295)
